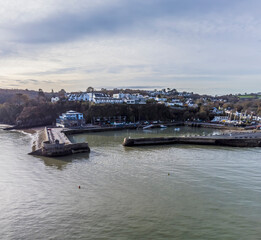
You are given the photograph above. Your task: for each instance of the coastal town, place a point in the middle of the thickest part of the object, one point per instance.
(117, 107)
(130, 120)
(64, 113)
(218, 106)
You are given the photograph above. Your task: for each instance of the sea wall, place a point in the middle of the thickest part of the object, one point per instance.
(247, 140)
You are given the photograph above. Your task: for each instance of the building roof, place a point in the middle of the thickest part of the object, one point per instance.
(72, 112)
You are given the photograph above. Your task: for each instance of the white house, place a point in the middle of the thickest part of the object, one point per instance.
(220, 119)
(78, 97)
(130, 98)
(177, 102)
(55, 99)
(93, 97)
(121, 95)
(70, 118)
(103, 98)
(161, 99)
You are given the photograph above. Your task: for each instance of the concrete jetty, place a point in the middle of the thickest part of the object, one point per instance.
(233, 140)
(56, 143)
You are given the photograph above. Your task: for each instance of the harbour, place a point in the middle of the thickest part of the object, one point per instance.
(156, 192)
(54, 141)
(130, 120)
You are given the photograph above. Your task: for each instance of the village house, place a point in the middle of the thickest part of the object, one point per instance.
(135, 98)
(93, 97)
(78, 97)
(70, 119)
(159, 99)
(220, 119)
(103, 98)
(177, 102)
(55, 99)
(217, 111)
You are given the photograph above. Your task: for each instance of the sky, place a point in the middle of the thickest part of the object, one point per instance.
(203, 46)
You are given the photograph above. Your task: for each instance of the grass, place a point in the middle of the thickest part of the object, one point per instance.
(249, 96)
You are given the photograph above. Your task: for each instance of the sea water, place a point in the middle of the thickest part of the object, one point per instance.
(153, 192)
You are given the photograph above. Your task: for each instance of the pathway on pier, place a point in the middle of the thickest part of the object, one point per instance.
(57, 134)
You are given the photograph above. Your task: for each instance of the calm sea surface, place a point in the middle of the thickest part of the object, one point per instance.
(158, 192)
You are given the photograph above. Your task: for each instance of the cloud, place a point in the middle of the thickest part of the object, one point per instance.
(122, 16)
(175, 43)
(54, 71)
(142, 87)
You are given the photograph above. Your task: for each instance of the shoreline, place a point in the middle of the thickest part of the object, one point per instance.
(5, 126)
(31, 131)
(38, 134)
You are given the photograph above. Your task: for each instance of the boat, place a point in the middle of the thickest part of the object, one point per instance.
(147, 127)
(177, 129)
(163, 126)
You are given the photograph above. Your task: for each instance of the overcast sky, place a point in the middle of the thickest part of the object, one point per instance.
(205, 46)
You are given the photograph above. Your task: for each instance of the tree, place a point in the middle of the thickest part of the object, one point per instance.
(61, 94)
(20, 99)
(41, 96)
(90, 89)
(151, 101)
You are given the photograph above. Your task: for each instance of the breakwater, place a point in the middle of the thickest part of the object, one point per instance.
(53, 142)
(211, 125)
(233, 140)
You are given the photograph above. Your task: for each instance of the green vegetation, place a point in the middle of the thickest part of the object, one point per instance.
(33, 108)
(254, 96)
(45, 113)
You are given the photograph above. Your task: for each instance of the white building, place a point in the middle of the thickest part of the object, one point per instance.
(93, 97)
(220, 119)
(191, 104)
(70, 118)
(177, 102)
(130, 98)
(78, 97)
(55, 99)
(121, 95)
(103, 98)
(161, 99)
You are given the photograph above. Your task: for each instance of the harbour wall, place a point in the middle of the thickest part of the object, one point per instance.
(248, 140)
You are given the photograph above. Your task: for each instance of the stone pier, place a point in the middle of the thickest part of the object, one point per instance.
(58, 144)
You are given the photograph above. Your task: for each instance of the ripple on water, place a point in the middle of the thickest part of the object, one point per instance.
(159, 192)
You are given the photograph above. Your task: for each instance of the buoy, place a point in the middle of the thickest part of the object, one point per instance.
(168, 174)
(79, 187)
